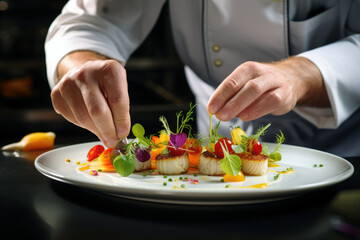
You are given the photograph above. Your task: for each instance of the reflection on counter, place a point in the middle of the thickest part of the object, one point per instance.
(27, 155)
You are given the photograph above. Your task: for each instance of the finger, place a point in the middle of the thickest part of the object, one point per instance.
(100, 113)
(230, 86)
(249, 93)
(61, 107)
(75, 102)
(115, 86)
(271, 102)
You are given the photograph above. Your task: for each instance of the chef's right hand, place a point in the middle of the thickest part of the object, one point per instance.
(94, 96)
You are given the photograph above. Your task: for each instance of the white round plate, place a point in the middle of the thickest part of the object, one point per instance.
(329, 170)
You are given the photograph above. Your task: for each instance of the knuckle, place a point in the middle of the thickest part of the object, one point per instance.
(250, 65)
(276, 98)
(118, 99)
(231, 83)
(66, 85)
(256, 86)
(81, 74)
(111, 67)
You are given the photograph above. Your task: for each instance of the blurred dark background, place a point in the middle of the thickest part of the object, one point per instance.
(157, 84)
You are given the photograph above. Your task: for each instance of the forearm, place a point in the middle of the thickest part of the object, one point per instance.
(76, 59)
(308, 81)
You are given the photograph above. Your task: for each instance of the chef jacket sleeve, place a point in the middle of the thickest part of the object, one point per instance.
(339, 66)
(112, 28)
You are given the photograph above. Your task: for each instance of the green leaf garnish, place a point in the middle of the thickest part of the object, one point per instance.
(231, 163)
(124, 164)
(139, 133)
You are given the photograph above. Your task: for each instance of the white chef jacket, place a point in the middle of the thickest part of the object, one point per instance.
(213, 37)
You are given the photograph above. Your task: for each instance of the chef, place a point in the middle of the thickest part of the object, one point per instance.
(293, 63)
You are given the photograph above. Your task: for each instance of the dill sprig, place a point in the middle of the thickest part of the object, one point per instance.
(260, 132)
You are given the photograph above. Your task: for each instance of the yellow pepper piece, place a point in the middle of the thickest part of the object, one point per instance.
(164, 137)
(236, 134)
(33, 141)
(238, 178)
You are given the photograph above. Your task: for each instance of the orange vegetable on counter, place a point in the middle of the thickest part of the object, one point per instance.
(33, 141)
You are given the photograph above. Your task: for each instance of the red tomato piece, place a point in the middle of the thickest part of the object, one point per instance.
(176, 151)
(254, 147)
(94, 152)
(155, 139)
(226, 143)
(193, 145)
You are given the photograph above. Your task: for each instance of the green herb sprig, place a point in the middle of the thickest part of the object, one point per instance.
(275, 155)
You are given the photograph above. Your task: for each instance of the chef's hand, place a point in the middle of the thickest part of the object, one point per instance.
(92, 93)
(255, 89)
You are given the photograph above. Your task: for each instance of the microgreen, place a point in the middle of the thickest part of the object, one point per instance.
(142, 154)
(182, 122)
(260, 132)
(245, 141)
(124, 164)
(275, 155)
(178, 140)
(165, 125)
(231, 163)
(139, 133)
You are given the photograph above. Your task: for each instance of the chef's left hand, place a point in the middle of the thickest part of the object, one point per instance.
(255, 89)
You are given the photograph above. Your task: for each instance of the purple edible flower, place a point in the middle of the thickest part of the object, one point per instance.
(142, 154)
(178, 140)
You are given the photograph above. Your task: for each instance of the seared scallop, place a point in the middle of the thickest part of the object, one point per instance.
(142, 166)
(209, 164)
(172, 165)
(255, 165)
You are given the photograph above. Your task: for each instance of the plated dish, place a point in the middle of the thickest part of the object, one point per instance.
(312, 170)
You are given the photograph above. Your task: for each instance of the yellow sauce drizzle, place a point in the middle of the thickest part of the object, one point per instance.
(273, 165)
(84, 168)
(290, 171)
(260, 185)
(181, 188)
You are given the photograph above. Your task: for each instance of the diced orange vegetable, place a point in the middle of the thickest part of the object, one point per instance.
(238, 178)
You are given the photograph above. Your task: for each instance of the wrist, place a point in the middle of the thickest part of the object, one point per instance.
(308, 83)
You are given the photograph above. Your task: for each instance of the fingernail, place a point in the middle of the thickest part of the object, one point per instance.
(212, 109)
(243, 116)
(122, 132)
(111, 142)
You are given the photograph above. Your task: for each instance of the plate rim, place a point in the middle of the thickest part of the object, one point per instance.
(227, 196)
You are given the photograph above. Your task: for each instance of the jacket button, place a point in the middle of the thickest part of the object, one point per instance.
(216, 47)
(218, 63)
